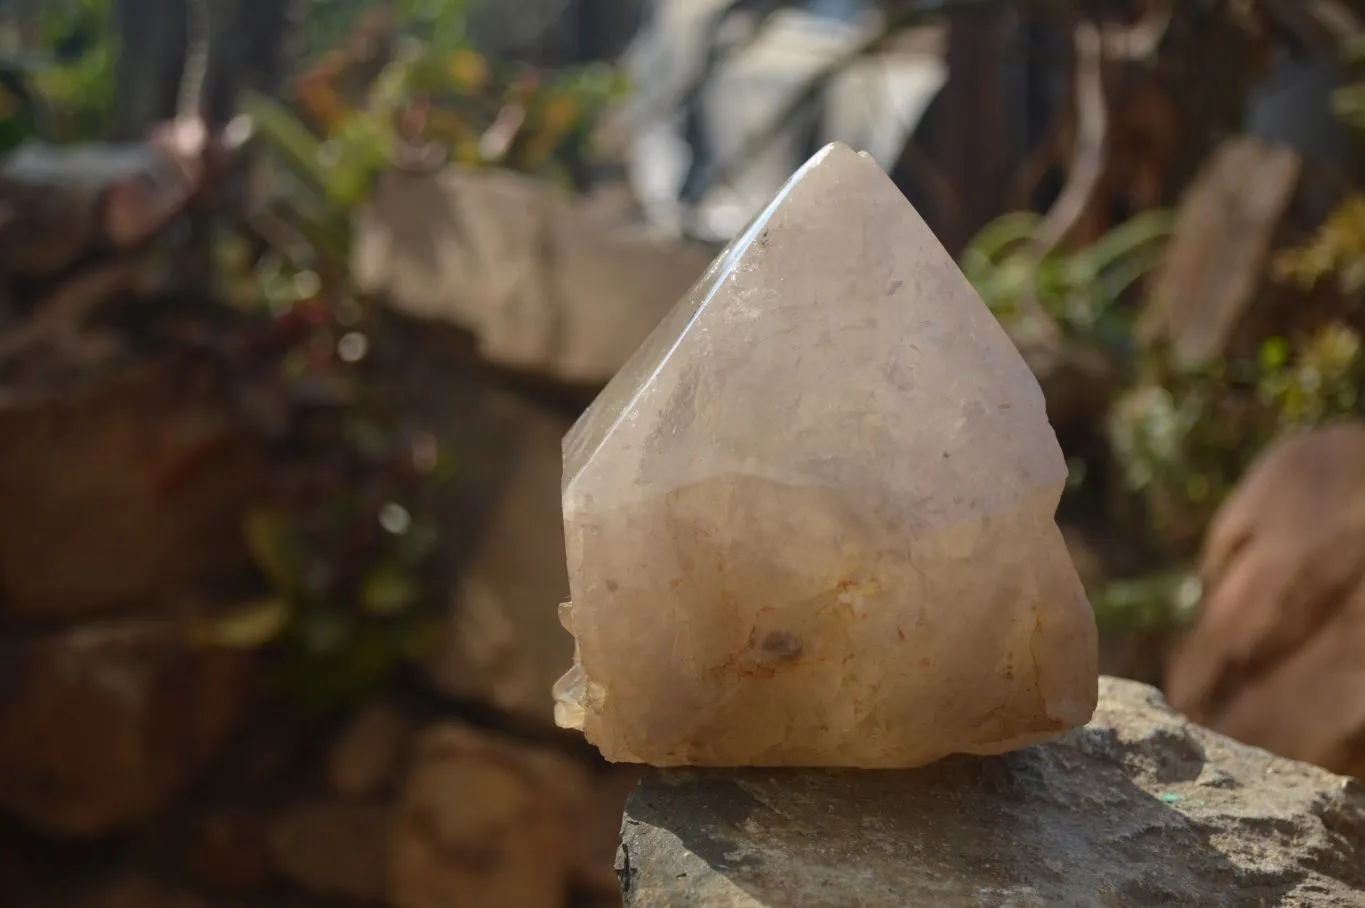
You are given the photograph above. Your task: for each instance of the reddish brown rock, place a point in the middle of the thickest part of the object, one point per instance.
(502, 643)
(103, 724)
(135, 891)
(483, 823)
(121, 492)
(1217, 259)
(226, 851)
(333, 848)
(366, 756)
(597, 831)
(1277, 656)
(501, 532)
(544, 285)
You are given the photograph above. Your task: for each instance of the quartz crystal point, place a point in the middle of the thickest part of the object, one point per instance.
(810, 522)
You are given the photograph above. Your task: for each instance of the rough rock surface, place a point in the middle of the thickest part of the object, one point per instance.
(125, 492)
(1224, 233)
(368, 754)
(333, 847)
(1139, 808)
(543, 285)
(103, 724)
(504, 545)
(1277, 656)
(499, 525)
(483, 823)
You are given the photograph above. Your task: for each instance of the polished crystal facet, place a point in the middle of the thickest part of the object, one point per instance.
(810, 522)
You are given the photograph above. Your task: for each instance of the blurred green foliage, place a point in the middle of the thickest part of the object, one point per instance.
(1079, 291)
(1349, 100)
(343, 538)
(350, 567)
(1181, 438)
(1161, 599)
(62, 88)
(436, 100)
(78, 86)
(1335, 254)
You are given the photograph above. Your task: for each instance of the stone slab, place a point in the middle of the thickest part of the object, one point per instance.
(1139, 808)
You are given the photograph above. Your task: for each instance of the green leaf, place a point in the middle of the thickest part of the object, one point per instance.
(325, 631)
(1004, 232)
(272, 540)
(1124, 242)
(1348, 104)
(1157, 600)
(388, 590)
(247, 626)
(287, 137)
(1274, 354)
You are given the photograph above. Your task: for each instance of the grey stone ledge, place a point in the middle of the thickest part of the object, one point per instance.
(1138, 808)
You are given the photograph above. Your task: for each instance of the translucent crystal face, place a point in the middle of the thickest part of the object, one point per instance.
(811, 520)
(618, 397)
